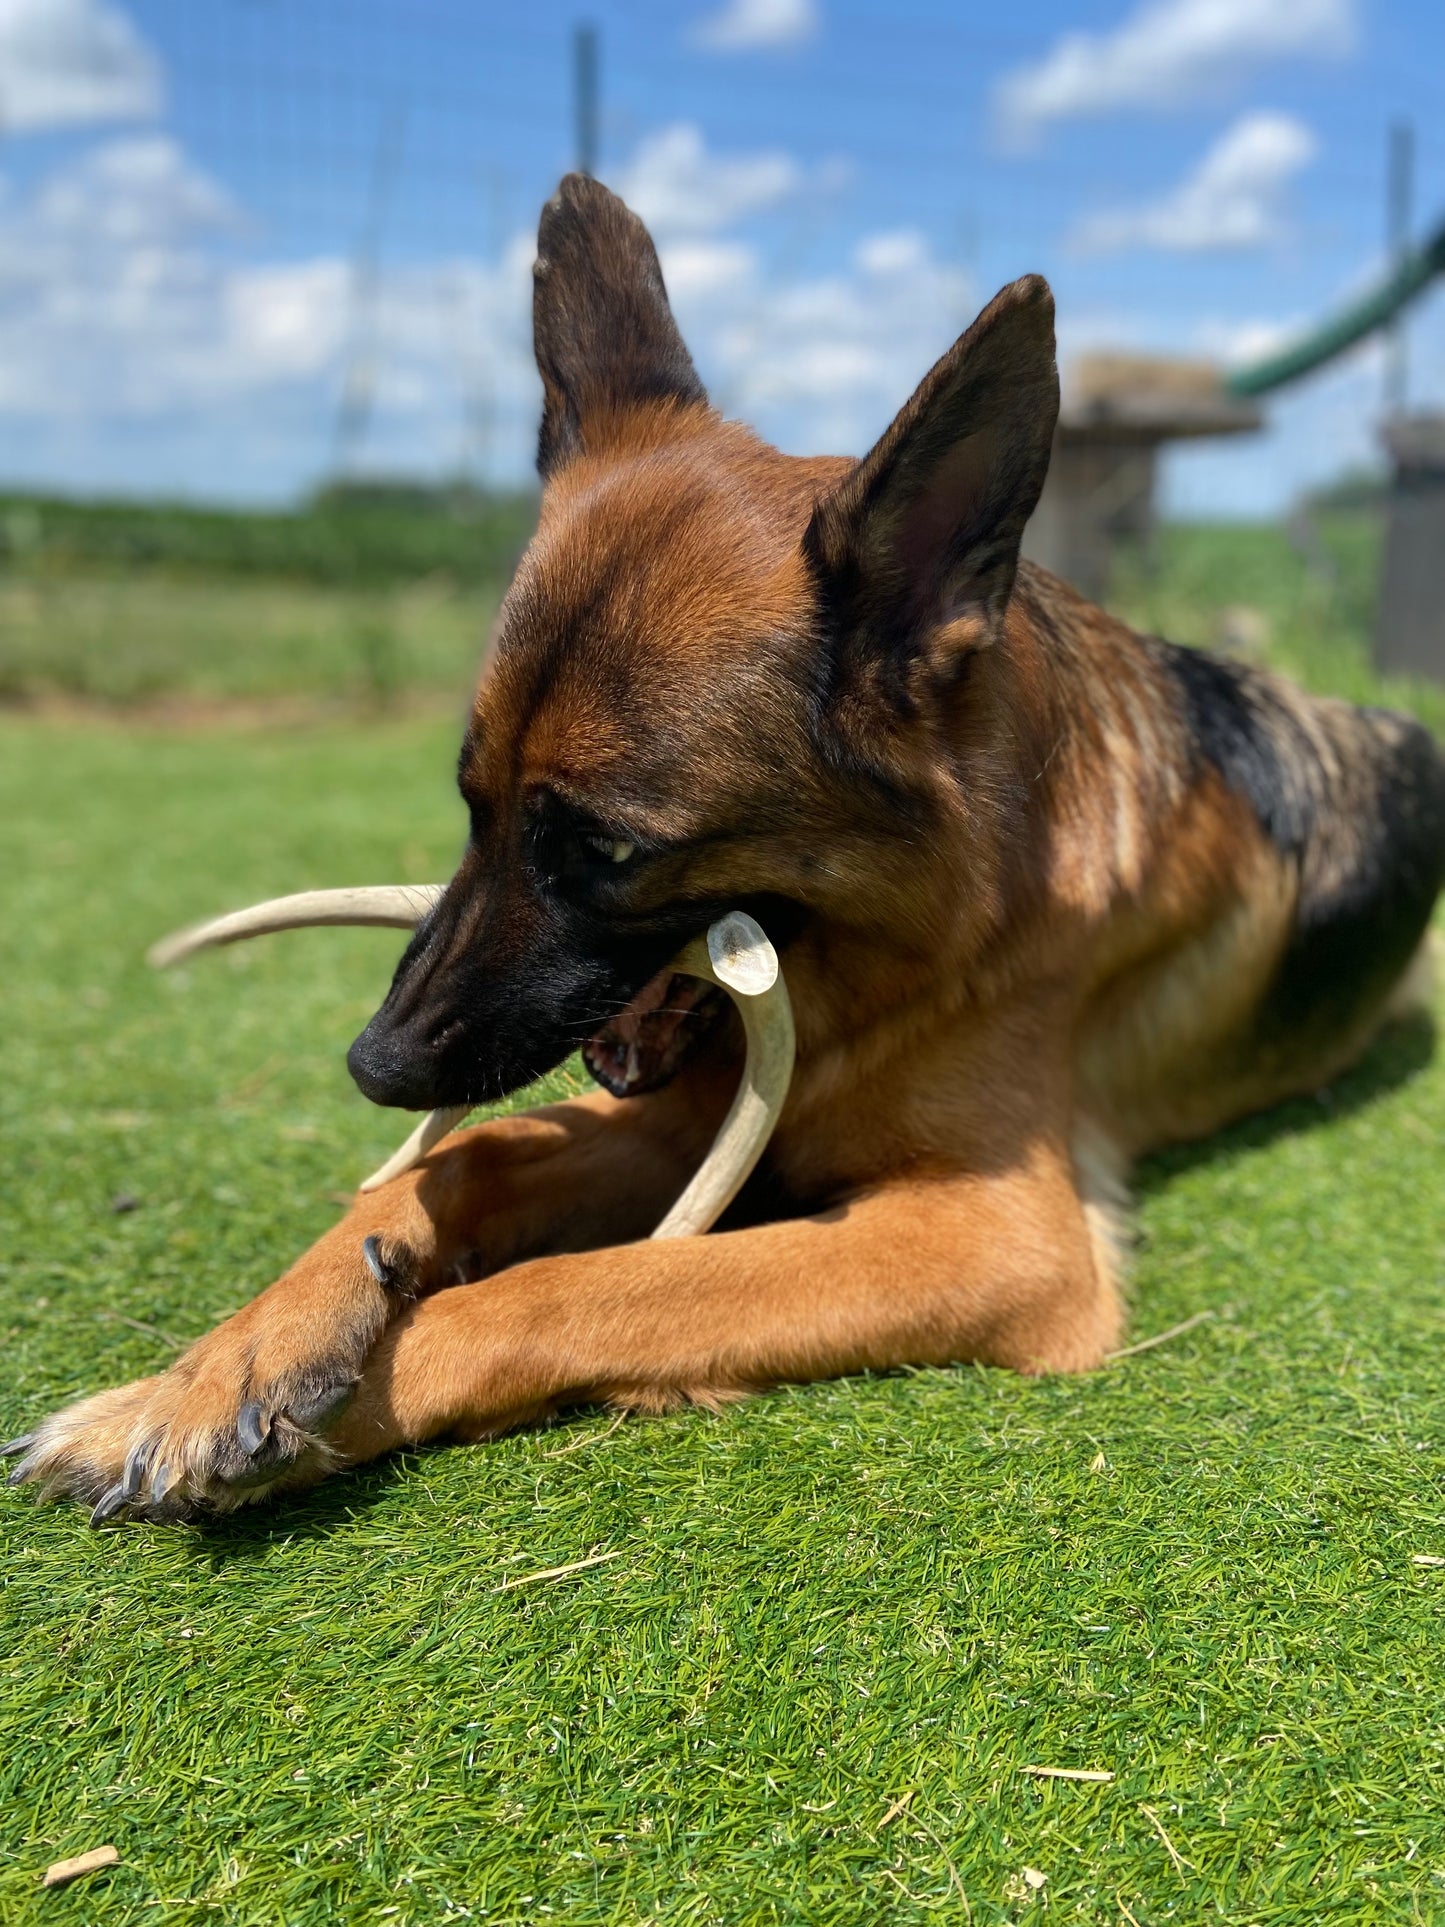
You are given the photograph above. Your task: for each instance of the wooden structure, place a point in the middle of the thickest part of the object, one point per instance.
(1118, 412)
(1410, 636)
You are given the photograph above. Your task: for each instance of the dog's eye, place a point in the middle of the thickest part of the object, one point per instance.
(606, 849)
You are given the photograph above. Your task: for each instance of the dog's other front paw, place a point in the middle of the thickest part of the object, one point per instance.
(116, 1453)
(240, 1415)
(160, 1449)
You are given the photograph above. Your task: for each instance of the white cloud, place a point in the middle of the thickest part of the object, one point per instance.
(69, 63)
(822, 362)
(148, 339)
(699, 268)
(1237, 343)
(901, 251)
(113, 300)
(287, 322)
(741, 24)
(1235, 198)
(678, 187)
(142, 346)
(137, 191)
(1169, 53)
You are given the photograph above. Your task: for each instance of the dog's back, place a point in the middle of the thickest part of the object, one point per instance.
(1355, 799)
(1311, 835)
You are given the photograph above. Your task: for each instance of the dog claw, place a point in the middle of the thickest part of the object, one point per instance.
(249, 1429)
(109, 1505)
(161, 1482)
(375, 1263)
(137, 1465)
(311, 1413)
(22, 1444)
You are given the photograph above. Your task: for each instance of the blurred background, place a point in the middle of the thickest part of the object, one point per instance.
(267, 407)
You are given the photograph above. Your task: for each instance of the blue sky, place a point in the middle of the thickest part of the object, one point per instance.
(835, 186)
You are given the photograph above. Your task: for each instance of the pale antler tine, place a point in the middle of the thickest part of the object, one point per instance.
(737, 956)
(395, 906)
(432, 1129)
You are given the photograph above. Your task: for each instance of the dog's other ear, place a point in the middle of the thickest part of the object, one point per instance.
(605, 337)
(916, 548)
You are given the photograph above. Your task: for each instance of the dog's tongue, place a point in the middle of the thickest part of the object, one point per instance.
(641, 1048)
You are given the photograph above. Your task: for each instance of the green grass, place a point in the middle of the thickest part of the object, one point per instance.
(1196, 1569)
(349, 535)
(123, 638)
(361, 596)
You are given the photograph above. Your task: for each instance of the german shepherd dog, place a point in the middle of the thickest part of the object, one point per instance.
(1048, 893)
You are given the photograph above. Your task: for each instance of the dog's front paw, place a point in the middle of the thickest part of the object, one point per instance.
(171, 1448)
(243, 1413)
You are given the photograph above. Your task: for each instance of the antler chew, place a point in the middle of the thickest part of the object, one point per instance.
(393, 906)
(735, 955)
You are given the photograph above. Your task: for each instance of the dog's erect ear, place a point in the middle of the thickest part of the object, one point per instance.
(605, 337)
(915, 549)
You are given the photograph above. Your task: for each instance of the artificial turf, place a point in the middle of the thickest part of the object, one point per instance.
(841, 1620)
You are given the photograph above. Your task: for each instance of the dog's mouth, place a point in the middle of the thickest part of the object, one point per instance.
(644, 1046)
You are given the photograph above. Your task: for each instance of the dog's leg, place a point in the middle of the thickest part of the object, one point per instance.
(250, 1401)
(1001, 1269)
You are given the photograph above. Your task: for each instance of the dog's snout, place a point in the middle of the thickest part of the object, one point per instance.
(390, 1069)
(409, 1054)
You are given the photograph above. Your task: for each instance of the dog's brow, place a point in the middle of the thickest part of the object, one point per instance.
(469, 756)
(619, 814)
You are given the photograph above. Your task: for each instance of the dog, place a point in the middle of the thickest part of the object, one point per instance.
(1049, 894)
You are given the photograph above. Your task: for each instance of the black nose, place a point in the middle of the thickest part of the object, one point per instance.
(389, 1068)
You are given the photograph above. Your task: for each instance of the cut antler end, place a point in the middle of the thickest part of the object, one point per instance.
(742, 959)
